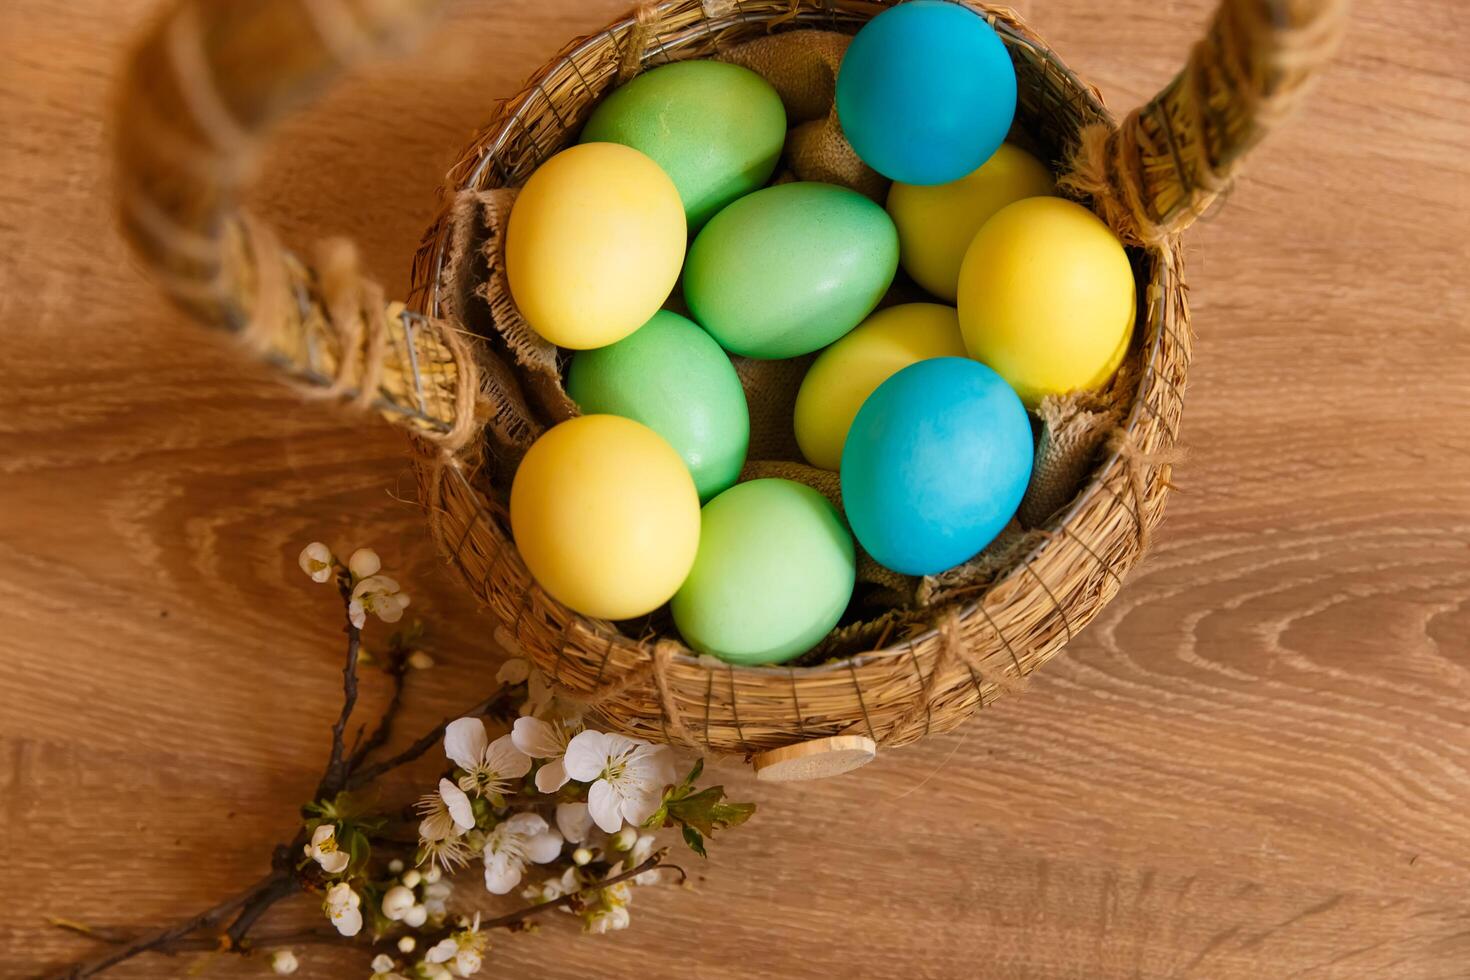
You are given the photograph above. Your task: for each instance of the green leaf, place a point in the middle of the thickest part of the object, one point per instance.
(695, 841)
(695, 772)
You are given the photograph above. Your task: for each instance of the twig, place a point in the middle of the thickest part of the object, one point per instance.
(369, 773)
(319, 936)
(163, 938)
(398, 670)
(334, 777)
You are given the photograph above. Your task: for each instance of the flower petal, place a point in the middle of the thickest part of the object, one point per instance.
(389, 611)
(356, 614)
(513, 671)
(334, 862)
(323, 833)
(544, 847)
(458, 804)
(364, 563)
(552, 776)
(502, 873)
(573, 820)
(505, 759)
(604, 805)
(587, 755)
(442, 951)
(465, 741)
(536, 738)
(526, 824)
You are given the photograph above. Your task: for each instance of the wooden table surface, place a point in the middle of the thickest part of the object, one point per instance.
(1256, 763)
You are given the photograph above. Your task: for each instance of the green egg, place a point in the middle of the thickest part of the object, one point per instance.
(669, 375)
(773, 574)
(716, 129)
(790, 268)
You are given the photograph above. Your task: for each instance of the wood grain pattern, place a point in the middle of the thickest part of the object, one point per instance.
(1255, 764)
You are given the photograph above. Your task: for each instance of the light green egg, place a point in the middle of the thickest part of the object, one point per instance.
(716, 129)
(790, 268)
(774, 573)
(671, 376)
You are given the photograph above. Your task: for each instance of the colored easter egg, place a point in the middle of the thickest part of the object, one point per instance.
(926, 92)
(845, 374)
(594, 244)
(715, 128)
(935, 465)
(605, 516)
(1047, 298)
(775, 572)
(671, 376)
(936, 223)
(790, 268)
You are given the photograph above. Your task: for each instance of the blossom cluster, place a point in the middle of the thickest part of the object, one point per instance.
(548, 807)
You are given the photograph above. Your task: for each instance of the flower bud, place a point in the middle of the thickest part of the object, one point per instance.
(412, 877)
(581, 856)
(397, 902)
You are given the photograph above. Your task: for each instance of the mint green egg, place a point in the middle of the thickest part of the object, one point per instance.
(716, 129)
(773, 574)
(671, 376)
(790, 268)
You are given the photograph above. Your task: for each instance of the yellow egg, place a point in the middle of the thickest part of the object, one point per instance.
(1047, 298)
(605, 515)
(594, 244)
(845, 374)
(936, 223)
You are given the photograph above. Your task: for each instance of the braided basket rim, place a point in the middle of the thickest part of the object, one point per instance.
(653, 679)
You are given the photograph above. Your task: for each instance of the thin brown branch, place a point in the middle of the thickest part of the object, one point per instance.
(431, 738)
(161, 939)
(334, 777)
(330, 937)
(398, 670)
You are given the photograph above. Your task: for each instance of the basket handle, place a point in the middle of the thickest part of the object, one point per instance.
(1171, 159)
(200, 91)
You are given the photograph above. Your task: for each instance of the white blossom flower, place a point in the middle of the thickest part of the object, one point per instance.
(382, 963)
(416, 916)
(396, 903)
(342, 907)
(490, 767)
(284, 962)
(628, 777)
(462, 950)
(436, 897)
(379, 595)
(546, 740)
(316, 560)
(574, 822)
(324, 851)
(524, 837)
(446, 815)
(609, 919)
(364, 563)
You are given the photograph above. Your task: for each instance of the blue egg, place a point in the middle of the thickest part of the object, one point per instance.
(926, 92)
(935, 465)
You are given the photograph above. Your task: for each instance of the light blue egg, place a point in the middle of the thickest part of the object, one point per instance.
(935, 465)
(926, 92)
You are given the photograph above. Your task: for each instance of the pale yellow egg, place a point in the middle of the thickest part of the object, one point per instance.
(845, 374)
(1047, 298)
(936, 223)
(605, 516)
(594, 244)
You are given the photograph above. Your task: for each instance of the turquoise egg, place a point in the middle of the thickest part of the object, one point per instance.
(671, 376)
(926, 92)
(774, 573)
(935, 465)
(790, 268)
(716, 129)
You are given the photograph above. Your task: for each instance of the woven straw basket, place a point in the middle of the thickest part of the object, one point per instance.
(206, 83)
